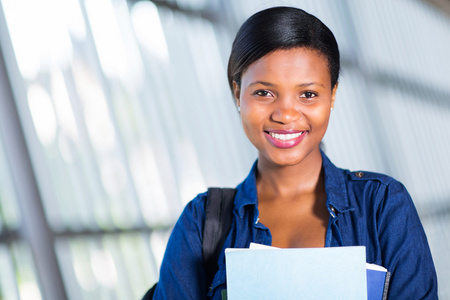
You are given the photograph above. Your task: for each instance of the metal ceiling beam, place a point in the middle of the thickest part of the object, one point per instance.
(443, 5)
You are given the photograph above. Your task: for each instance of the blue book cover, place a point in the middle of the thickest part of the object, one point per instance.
(377, 282)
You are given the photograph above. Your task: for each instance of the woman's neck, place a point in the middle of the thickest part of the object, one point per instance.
(288, 182)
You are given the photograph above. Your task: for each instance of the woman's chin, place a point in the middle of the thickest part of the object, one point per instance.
(283, 158)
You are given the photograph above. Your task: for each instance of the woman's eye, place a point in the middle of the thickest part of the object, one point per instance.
(308, 95)
(262, 93)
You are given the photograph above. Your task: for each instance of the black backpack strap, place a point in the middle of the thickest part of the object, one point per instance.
(150, 293)
(218, 217)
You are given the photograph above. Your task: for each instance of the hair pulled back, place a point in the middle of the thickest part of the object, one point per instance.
(281, 28)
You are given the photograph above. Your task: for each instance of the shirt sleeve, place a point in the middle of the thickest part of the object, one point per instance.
(182, 274)
(405, 250)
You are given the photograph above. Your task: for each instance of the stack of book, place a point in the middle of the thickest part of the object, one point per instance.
(263, 272)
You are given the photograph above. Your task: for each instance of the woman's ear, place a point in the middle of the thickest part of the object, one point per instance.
(236, 94)
(333, 94)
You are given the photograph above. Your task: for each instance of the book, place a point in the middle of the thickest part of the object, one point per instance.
(307, 273)
(377, 282)
(377, 277)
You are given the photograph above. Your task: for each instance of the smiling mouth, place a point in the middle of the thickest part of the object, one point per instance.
(285, 137)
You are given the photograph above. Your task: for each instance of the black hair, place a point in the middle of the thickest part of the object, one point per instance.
(281, 28)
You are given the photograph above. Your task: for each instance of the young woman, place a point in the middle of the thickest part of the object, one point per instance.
(283, 72)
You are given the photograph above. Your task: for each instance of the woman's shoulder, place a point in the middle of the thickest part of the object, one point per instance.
(381, 181)
(199, 200)
(377, 188)
(367, 176)
(197, 206)
(358, 177)
(194, 210)
(352, 187)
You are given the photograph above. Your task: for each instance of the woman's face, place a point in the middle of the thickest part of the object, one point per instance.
(285, 100)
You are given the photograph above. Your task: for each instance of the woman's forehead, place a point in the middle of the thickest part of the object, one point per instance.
(289, 65)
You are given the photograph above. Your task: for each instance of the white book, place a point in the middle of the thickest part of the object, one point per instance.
(264, 272)
(377, 277)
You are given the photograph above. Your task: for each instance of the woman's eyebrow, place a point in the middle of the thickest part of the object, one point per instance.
(261, 82)
(302, 85)
(309, 84)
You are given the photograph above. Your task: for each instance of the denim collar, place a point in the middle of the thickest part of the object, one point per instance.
(335, 188)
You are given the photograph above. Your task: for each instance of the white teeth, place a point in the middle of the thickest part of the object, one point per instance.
(285, 137)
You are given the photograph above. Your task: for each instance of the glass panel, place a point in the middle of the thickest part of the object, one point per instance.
(25, 272)
(9, 210)
(394, 34)
(120, 119)
(8, 285)
(113, 266)
(18, 279)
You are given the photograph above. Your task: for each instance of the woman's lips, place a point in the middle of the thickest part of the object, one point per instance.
(285, 139)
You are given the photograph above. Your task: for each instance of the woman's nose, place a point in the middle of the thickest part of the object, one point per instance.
(286, 110)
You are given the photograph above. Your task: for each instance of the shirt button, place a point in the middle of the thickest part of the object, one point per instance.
(359, 174)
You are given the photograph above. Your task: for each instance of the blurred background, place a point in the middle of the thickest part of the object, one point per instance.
(114, 114)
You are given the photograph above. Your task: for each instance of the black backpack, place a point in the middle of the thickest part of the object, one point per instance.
(218, 217)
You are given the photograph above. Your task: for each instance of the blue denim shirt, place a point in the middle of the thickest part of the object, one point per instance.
(365, 208)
